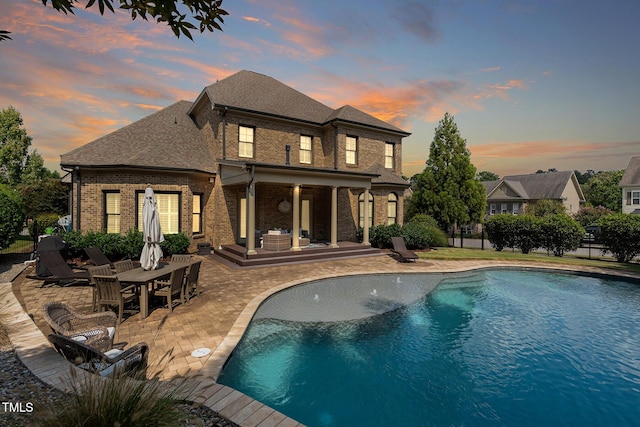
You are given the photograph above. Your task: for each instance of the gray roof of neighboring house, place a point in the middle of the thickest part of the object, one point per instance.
(165, 139)
(240, 91)
(631, 174)
(535, 186)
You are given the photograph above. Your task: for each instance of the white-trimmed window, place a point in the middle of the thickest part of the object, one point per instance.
(635, 197)
(168, 208)
(361, 210)
(503, 208)
(516, 208)
(492, 209)
(197, 214)
(392, 208)
(245, 141)
(389, 155)
(305, 149)
(352, 150)
(112, 211)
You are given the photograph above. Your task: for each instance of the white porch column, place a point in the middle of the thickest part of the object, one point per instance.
(334, 217)
(295, 233)
(365, 220)
(251, 220)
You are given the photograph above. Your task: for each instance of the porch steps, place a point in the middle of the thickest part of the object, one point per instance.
(235, 254)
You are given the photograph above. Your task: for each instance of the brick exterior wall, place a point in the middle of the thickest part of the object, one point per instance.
(221, 203)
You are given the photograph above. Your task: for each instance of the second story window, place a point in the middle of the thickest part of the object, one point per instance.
(305, 149)
(389, 158)
(352, 150)
(245, 145)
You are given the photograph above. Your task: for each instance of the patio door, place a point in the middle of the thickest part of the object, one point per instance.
(306, 214)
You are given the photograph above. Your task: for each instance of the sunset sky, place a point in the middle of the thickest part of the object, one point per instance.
(531, 85)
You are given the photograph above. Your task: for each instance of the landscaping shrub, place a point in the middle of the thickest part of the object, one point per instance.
(380, 235)
(417, 235)
(589, 215)
(425, 220)
(526, 233)
(560, 233)
(500, 231)
(620, 234)
(175, 244)
(11, 216)
(131, 244)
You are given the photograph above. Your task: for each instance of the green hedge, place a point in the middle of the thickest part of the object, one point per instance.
(417, 235)
(620, 234)
(116, 246)
(11, 216)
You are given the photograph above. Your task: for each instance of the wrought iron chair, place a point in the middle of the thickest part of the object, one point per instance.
(96, 330)
(132, 361)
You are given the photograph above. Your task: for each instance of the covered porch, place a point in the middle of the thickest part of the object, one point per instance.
(314, 209)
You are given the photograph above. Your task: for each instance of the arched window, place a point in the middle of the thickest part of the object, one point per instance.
(361, 210)
(392, 209)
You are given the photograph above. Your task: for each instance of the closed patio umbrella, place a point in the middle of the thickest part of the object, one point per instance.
(151, 251)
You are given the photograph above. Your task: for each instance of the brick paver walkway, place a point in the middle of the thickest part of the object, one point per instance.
(217, 317)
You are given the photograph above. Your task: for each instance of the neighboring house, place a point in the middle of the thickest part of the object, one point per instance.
(630, 184)
(512, 193)
(250, 153)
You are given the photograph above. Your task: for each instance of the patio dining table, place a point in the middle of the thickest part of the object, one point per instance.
(142, 278)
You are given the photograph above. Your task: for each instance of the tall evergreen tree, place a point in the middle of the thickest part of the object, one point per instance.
(447, 189)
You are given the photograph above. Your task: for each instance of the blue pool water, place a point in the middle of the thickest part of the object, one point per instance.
(498, 347)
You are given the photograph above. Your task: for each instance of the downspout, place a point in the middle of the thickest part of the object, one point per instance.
(246, 238)
(77, 227)
(224, 134)
(70, 172)
(335, 146)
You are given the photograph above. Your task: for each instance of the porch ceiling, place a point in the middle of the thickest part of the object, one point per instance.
(233, 173)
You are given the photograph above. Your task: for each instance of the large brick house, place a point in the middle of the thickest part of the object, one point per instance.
(250, 153)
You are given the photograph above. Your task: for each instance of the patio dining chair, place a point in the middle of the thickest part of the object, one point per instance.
(191, 280)
(99, 270)
(171, 287)
(112, 293)
(96, 330)
(124, 265)
(181, 258)
(132, 361)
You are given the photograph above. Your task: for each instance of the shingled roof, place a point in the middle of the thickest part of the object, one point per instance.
(255, 92)
(166, 139)
(631, 176)
(535, 186)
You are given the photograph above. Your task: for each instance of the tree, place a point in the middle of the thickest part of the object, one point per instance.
(14, 146)
(487, 176)
(207, 13)
(603, 190)
(584, 177)
(545, 207)
(620, 235)
(11, 216)
(447, 189)
(559, 233)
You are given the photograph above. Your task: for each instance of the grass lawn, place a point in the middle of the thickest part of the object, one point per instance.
(508, 255)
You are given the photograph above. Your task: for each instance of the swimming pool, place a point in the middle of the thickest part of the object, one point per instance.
(495, 347)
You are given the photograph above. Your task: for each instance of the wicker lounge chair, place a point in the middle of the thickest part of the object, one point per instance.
(96, 330)
(61, 272)
(132, 361)
(400, 249)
